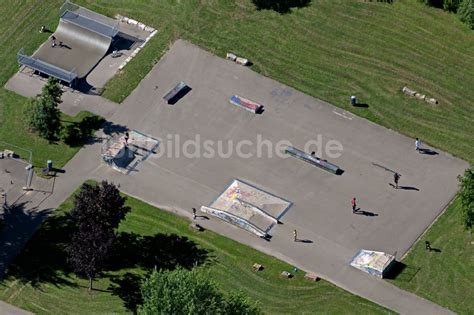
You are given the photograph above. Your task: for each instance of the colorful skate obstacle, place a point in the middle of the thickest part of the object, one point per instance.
(373, 262)
(246, 104)
(314, 160)
(235, 220)
(248, 208)
(176, 93)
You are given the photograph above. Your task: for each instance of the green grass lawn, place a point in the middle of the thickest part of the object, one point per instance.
(13, 130)
(39, 280)
(445, 276)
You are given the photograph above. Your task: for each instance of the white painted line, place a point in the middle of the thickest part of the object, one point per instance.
(342, 114)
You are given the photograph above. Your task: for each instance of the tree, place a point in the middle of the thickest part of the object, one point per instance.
(451, 5)
(433, 3)
(43, 114)
(97, 212)
(466, 12)
(466, 193)
(189, 292)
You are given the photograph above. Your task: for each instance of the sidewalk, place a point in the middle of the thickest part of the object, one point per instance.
(73, 101)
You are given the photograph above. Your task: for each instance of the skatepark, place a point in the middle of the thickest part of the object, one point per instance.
(317, 202)
(321, 200)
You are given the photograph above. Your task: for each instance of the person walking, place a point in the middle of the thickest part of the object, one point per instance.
(194, 213)
(417, 145)
(396, 177)
(53, 41)
(354, 205)
(295, 236)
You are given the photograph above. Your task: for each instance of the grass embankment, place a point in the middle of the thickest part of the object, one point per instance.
(444, 275)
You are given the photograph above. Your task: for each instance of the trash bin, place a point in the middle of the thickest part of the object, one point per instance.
(49, 165)
(353, 100)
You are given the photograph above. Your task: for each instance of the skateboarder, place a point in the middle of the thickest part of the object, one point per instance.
(417, 144)
(295, 236)
(194, 213)
(354, 205)
(396, 177)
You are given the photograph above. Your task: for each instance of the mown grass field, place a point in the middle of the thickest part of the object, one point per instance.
(444, 275)
(14, 130)
(40, 281)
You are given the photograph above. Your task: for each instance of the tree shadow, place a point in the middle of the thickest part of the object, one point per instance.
(161, 251)
(280, 6)
(110, 128)
(77, 134)
(43, 259)
(127, 288)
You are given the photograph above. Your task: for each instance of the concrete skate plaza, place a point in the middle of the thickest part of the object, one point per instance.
(321, 208)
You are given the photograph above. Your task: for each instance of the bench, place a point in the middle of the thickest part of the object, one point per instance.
(9, 154)
(180, 90)
(311, 276)
(257, 267)
(313, 160)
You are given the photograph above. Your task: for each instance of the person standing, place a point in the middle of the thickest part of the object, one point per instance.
(396, 177)
(194, 213)
(354, 205)
(295, 236)
(417, 144)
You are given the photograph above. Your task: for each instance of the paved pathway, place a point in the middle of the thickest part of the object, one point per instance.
(27, 85)
(179, 184)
